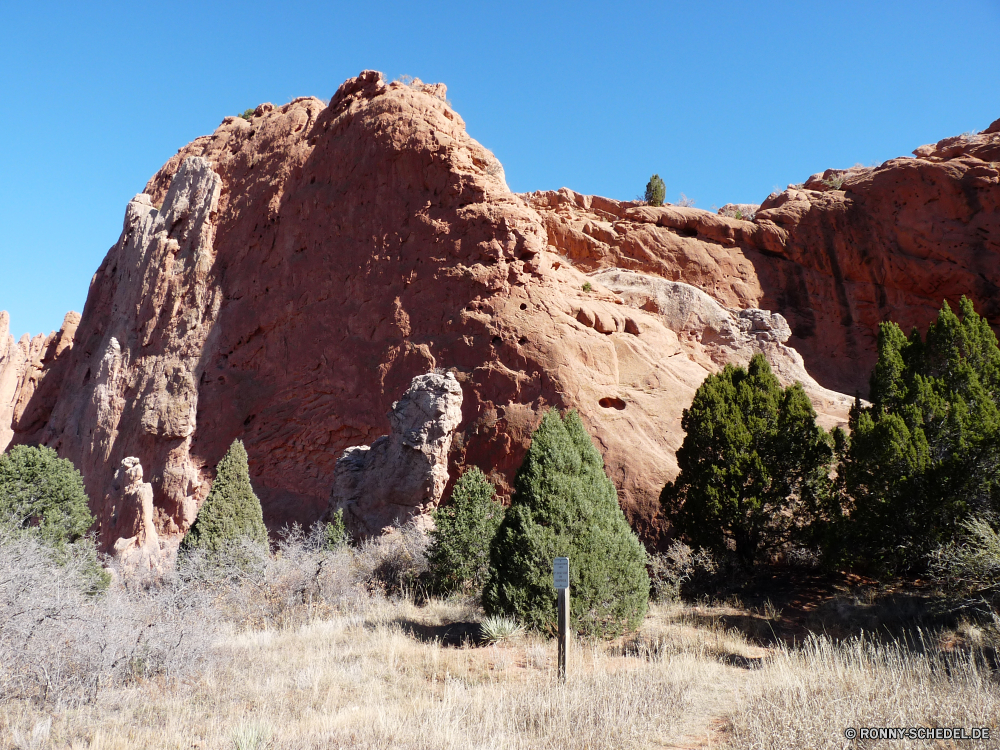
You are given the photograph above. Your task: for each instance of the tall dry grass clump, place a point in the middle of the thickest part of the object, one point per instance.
(808, 696)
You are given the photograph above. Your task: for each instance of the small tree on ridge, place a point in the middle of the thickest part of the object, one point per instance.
(656, 191)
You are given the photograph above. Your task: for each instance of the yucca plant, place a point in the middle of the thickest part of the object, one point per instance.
(500, 628)
(251, 737)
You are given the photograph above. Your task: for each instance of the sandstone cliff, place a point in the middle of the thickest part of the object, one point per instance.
(30, 375)
(284, 280)
(835, 256)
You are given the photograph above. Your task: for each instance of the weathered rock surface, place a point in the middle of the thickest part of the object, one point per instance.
(865, 245)
(130, 386)
(30, 375)
(835, 256)
(403, 474)
(284, 279)
(715, 336)
(131, 504)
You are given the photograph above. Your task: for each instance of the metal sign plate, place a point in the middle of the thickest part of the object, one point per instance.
(560, 572)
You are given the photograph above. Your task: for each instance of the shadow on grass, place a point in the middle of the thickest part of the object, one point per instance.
(785, 606)
(450, 635)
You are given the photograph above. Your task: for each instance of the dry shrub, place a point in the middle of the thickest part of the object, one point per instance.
(671, 570)
(394, 563)
(808, 696)
(60, 645)
(305, 578)
(745, 211)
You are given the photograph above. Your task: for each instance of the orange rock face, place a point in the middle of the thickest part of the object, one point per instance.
(884, 243)
(284, 279)
(31, 372)
(835, 256)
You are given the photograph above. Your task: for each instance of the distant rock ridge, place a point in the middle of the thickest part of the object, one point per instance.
(30, 375)
(284, 279)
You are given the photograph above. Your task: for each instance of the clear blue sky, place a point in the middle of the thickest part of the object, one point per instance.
(726, 101)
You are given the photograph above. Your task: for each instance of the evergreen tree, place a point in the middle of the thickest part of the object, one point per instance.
(753, 465)
(459, 554)
(925, 456)
(335, 532)
(564, 505)
(656, 191)
(43, 493)
(231, 511)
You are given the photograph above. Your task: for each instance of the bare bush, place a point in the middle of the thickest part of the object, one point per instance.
(61, 645)
(969, 567)
(744, 211)
(305, 578)
(680, 564)
(392, 564)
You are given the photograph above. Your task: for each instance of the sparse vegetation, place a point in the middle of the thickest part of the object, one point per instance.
(587, 286)
(564, 505)
(670, 571)
(743, 211)
(834, 182)
(685, 202)
(656, 191)
(335, 532)
(498, 628)
(63, 645)
(969, 565)
(247, 114)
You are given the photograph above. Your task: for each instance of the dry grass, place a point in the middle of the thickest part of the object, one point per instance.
(316, 653)
(369, 682)
(384, 678)
(808, 696)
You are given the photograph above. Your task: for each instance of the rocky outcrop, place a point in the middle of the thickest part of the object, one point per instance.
(835, 256)
(403, 474)
(13, 357)
(715, 336)
(131, 504)
(284, 279)
(864, 245)
(31, 372)
(130, 386)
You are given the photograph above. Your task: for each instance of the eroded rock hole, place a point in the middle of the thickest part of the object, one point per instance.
(612, 402)
(524, 306)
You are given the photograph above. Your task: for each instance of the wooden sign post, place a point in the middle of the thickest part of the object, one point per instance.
(560, 577)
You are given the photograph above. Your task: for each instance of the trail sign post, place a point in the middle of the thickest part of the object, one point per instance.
(560, 579)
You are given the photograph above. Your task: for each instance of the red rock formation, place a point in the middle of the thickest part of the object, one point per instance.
(31, 372)
(403, 474)
(883, 243)
(835, 256)
(301, 269)
(284, 279)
